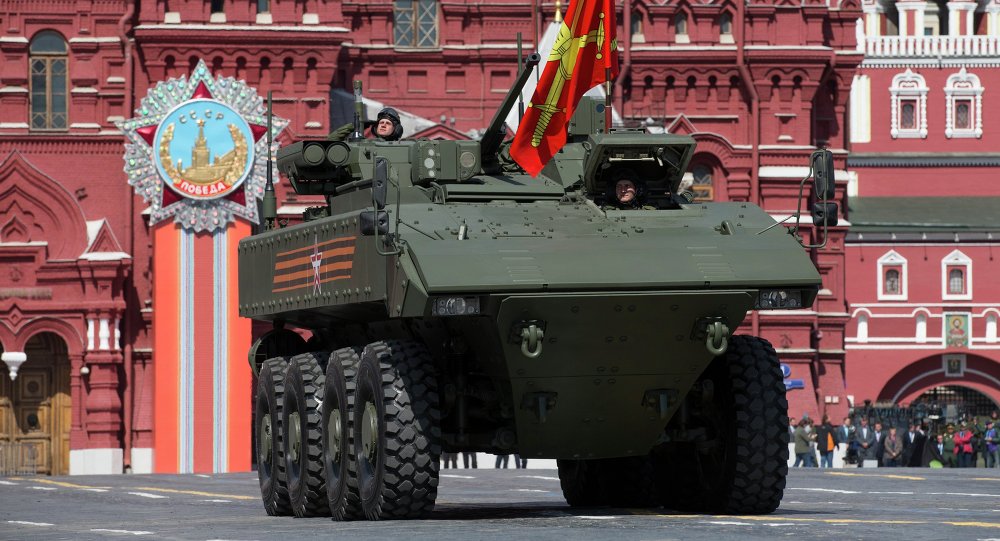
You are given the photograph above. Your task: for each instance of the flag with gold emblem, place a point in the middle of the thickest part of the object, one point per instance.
(584, 55)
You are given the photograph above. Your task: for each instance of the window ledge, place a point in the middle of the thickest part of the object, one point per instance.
(264, 18)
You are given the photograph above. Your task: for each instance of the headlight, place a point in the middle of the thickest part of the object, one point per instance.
(455, 306)
(778, 299)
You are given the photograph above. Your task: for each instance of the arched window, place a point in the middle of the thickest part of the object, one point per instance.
(921, 328)
(702, 183)
(726, 27)
(681, 28)
(892, 282)
(956, 282)
(963, 110)
(636, 22)
(49, 84)
(862, 327)
(908, 116)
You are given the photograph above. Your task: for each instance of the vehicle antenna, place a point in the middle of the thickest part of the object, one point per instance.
(520, 94)
(270, 203)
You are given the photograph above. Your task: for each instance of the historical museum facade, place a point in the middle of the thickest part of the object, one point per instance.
(923, 194)
(759, 85)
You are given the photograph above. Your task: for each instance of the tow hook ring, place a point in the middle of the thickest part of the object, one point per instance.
(717, 338)
(531, 341)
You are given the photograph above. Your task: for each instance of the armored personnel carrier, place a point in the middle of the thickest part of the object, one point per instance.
(456, 304)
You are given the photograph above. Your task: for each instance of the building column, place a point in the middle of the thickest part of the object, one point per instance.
(874, 18)
(97, 449)
(911, 17)
(993, 18)
(960, 14)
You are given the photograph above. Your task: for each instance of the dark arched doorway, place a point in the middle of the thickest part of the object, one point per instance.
(36, 409)
(956, 401)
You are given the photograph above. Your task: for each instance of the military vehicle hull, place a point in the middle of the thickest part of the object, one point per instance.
(455, 304)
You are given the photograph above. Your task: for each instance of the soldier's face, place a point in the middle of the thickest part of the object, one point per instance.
(625, 190)
(384, 127)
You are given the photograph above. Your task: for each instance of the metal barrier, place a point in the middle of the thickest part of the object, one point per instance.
(18, 459)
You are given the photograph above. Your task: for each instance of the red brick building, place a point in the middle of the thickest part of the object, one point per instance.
(759, 85)
(923, 192)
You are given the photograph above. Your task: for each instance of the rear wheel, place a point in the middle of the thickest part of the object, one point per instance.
(395, 431)
(580, 482)
(302, 435)
(735, 459)
(338, 404)
(267, 418)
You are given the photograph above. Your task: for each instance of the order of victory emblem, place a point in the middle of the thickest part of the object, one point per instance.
(197, 150)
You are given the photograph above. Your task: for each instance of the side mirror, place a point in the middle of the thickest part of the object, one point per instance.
(373, 221)
(381, 182)
(825, 214)
(822, 166)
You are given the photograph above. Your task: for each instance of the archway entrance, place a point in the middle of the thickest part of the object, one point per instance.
(955, 401)
(36, 410)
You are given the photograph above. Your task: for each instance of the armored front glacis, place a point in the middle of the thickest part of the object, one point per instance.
(456, 304)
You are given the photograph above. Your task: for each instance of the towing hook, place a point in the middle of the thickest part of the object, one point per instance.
(717, 337)
(531, 341)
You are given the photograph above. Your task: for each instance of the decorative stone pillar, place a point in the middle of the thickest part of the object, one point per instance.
(911, 17)
(874, 17)
(960, 17)
(993, 18)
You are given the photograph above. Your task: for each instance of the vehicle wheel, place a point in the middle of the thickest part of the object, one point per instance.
(580, 482)
(396, 431)
(338, 403)
(628, 482)
(739, 460)
(268, 401)
(302, 435)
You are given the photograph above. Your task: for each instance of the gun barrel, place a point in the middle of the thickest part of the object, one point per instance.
(491, 140)
(359, 113)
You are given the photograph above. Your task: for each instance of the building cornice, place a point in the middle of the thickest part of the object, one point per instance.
(923, 159)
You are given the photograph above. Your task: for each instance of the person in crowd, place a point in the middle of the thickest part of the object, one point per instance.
(803, 450)
(963, 446)
(502, 461)
(880, 435)
(826, 442)
(937, 450)
(520, 462)
(469, 458)
(845, 435)
(992, 445)
(913, 446)
(949, 449)
(792, 425)
(867, 446)
(449, 460)
(893, 451)
(978, 444)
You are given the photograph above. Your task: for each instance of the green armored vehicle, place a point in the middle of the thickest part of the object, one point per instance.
(456, 304)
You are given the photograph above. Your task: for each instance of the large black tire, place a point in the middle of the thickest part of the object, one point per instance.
(580, 482)
(741, 464)
(302, 434)
(396, 431)
(628, 482)
(268, 401)
(336, 414)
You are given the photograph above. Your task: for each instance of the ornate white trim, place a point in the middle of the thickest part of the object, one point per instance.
(909, 85)
(892, 259)
(956, 259)
(963, 85)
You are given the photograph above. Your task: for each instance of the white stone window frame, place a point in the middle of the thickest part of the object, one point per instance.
(909, 85)
(959, 86)
(892, 260)
(956, 259)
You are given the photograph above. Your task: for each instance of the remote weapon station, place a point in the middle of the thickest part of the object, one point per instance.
(455, 304)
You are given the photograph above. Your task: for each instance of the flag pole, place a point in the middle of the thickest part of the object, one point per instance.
(607, 100)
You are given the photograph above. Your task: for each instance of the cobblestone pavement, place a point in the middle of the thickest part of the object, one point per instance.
(489, 504)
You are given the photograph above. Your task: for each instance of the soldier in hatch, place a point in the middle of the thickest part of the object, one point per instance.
(625, 191)
(387, 127)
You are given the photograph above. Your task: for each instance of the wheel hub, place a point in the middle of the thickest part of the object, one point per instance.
(264, 439)
(335, 433)
(294, 436)
(369, 431)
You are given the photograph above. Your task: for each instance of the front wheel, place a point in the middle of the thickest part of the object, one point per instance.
(732, 455)
(396, 431)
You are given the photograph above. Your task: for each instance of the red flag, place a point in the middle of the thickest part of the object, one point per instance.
(584, 55)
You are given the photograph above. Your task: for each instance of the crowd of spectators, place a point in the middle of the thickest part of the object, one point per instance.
(968, 442)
